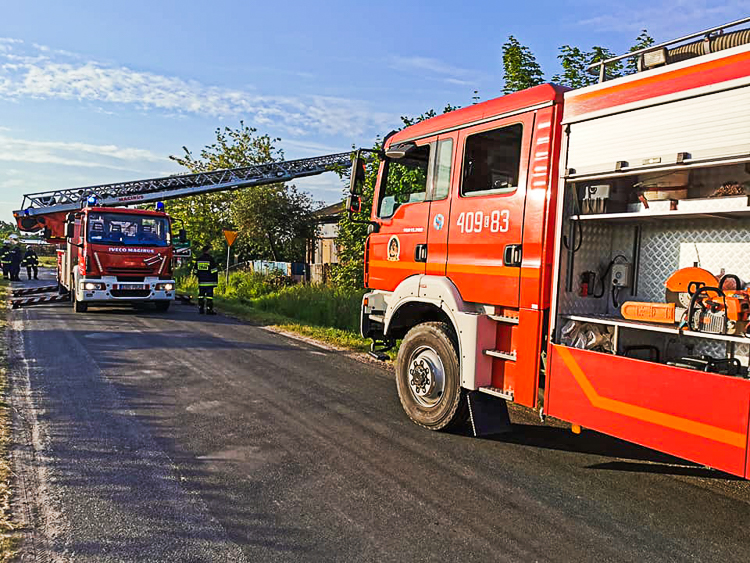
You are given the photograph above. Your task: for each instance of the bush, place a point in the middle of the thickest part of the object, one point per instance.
(316, 304)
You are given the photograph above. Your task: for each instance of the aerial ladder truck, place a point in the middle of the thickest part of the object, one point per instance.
(110, 253)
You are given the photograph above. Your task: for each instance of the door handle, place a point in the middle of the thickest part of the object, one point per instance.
(420, 253)
(512, 255)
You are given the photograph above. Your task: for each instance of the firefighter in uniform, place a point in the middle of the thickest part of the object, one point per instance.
(5, 260)
(31, 261)
(208, 278)
(15, 263)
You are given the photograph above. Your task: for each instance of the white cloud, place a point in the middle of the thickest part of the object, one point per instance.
(436, 69)
(43, 73)
(664, 19)
(75, 154)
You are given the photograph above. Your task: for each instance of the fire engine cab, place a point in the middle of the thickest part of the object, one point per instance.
(581, 252)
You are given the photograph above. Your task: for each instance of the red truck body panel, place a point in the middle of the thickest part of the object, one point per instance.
(698, 416)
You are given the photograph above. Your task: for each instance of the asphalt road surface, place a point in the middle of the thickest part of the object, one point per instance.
(177, 437)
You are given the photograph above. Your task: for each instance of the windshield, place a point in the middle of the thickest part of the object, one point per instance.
(404, 181)
(129, 230)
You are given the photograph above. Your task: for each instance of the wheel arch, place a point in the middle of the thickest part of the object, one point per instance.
(411, 312)
(424, 298)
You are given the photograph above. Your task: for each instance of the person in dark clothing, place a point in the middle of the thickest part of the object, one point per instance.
(15, 263)
(208, 278)
(5, 260)
(31, 261)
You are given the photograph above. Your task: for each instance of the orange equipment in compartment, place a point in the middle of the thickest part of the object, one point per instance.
(649, 312)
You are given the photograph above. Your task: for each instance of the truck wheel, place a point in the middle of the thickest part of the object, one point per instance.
(78, 306)
(428, 377)
(162, 306)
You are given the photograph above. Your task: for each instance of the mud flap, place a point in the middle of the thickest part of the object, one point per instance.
(488, 414)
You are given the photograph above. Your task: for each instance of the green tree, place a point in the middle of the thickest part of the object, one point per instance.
(521, 70)
(575, 62)
(271, 219)
(7, 229)
(641, 42)
(275, 222)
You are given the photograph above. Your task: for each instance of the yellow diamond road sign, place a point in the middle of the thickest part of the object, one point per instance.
(231, 236)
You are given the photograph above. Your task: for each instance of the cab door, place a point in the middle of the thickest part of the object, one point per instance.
(398, 248)
(439, 194)
(487, 211)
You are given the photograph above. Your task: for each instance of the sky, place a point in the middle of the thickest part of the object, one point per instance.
(94, 92)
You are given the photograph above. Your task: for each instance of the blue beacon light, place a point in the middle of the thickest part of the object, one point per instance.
(91, 200)
(160, 206)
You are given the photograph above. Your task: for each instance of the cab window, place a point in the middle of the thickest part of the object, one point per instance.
(492, 160)
(404, 180)
(443, 159)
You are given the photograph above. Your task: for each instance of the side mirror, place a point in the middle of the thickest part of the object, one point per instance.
(357, 185)
(354, 204)
(70, 229)
(399, 151)
(182, 235)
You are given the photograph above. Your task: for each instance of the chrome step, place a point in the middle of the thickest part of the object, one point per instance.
(511, 356)
(503, 319)
(497, 392)
(378, 318)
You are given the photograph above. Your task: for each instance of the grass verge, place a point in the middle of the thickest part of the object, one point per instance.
(10, 538)
(317, 311)
(48, 261)
(338, 337)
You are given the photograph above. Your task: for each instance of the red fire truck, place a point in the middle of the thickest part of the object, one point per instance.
(115, 255)
(109, 253)
(577, 252)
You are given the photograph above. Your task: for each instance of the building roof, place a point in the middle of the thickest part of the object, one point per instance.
(330, 213)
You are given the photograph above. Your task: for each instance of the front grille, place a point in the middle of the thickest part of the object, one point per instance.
(130, 292)
(128, 271)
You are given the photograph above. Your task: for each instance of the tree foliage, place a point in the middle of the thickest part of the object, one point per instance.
(574, 62)
(641, 42)
(275, 222)
(7, 229)
(521, 69)
(272, 220)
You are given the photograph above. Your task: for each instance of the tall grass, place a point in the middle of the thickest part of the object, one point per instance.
(314, 304)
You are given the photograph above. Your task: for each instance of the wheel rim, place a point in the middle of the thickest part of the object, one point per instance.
(426, 376)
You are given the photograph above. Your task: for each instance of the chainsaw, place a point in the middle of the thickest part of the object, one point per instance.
(680, 287)
(697, 300)
(718, 311)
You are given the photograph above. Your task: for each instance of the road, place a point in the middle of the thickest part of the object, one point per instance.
(177, 437)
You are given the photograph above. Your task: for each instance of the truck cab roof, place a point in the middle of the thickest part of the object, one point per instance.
(544, 94)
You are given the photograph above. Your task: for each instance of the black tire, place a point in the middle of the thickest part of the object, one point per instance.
(428, 403)
(78, 306)
(162, 306)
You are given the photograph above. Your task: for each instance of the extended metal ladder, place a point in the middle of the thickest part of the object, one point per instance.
(158, 189)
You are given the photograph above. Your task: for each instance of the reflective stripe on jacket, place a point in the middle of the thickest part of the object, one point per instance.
(207, 271)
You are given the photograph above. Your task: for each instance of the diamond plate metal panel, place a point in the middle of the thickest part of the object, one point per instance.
(720, 245)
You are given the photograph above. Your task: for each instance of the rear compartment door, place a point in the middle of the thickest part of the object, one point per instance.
(487, 211)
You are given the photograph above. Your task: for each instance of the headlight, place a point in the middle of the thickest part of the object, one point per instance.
(164, 286)
(90, 286)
